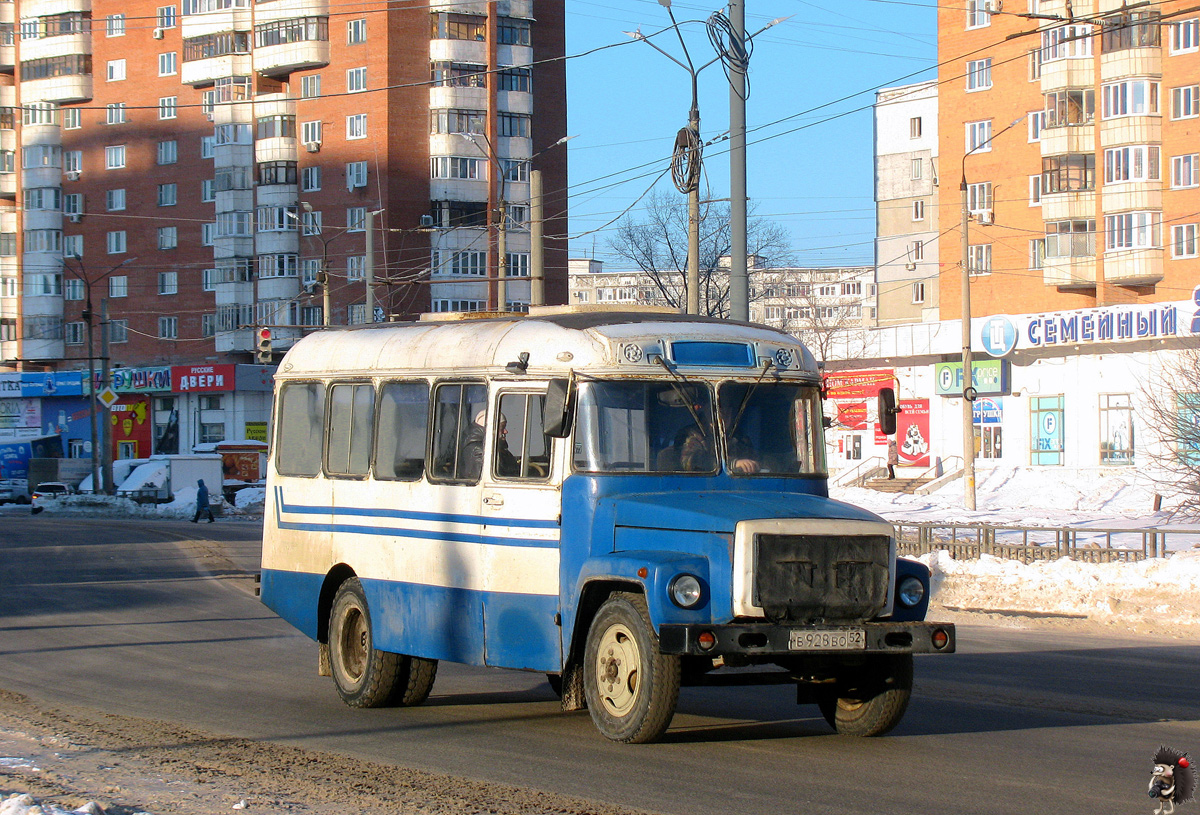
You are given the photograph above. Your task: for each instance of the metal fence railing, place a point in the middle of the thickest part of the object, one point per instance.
(1032, 543)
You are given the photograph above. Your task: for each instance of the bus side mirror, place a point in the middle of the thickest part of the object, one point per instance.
(887, 411)
(556, 414)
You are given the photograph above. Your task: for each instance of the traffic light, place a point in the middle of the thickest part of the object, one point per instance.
(262, 347)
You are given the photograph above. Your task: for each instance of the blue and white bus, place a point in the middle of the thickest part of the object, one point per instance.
(627, 501)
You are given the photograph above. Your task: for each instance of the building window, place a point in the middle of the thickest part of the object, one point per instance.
(356, 126)
(916, 169)
(310, 271)
(1035, 190)
(918, 210)
(208, 191)
(1138, 163)
(167, 194)
(458, 27)
(72, 203)
(517, 264)
(72, 118)
(1116, 428)
(1185, 171)
(116, 243)
(1070, 173)
(918, 292)
(44, 240)
(356, 31)
(168, 237)
(277, 219)
(310, 132)
(208, 325)
(1037, 123)
(916, 251)
(168, 152)
(116, 70)
(356, 267)
(211, 46)
(514, 79)
(167, 107)
(114, 200)
(310, 179)
(1133, 29)
(310, 86)
(356, 313)
(274, 127)
(168, 328)
(356, 80)
(166, 17)
(114, 157)
(118, 286)
(979, 136)
(1132, 230)
(1071, 106)
(310, 223)
(1066, 42)
(457, 121)
(979, 197)
(356, 175)
(73, 246)
(208, 145)
(356, 219)
(464, 263)
(73, 333)
(1185, 36)
(511, 31)
(118, 331)
(1070, 239)
(44, 198)
(168, 282)
(208, 234)
(235, 224)
(168, 64)
(292, 30)
(1037, 254)
(114, 114)
(979, 259)
(458, 75)
(514, 124)
(979, 13)
(1183, 241)
(914, 127)
(1130, 97)
(454, 167)
(1185, 102)
(979, 74)
(115, 25)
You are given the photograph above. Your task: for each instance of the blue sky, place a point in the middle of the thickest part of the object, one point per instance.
(626, 103)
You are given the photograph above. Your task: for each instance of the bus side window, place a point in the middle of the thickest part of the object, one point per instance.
(301, 420)
(401, 431)
(351, 418)
(522, 449)
(458, 432)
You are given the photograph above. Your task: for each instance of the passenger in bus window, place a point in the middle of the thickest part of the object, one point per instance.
(472, 453)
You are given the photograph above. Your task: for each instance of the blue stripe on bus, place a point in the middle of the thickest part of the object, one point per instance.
(410, 515)
(423, 534)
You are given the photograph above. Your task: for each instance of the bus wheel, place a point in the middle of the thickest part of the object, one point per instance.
(873, 699)
(364, 676)
(415, 680)
(631, 688)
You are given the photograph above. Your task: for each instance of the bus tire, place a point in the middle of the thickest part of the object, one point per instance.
(415, 680)
(630, 686)
(363, 675)
(872, 700)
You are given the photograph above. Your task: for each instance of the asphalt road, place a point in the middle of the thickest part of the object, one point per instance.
(159, 621)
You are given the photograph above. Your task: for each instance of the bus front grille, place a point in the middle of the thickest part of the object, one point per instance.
(820, 578)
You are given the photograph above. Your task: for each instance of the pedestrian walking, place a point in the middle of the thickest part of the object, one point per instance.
(202, 502)
(893, 457)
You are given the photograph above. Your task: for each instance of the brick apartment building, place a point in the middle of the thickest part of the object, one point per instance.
(199, 167)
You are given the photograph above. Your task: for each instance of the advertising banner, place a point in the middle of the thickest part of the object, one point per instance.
(987, 376)
(202, 378)
(912, 433)
(858, 384)
(852, 415)
(131, 425)
(20, 413)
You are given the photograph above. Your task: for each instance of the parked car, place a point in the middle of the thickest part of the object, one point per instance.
(13, 491)
(47, 491)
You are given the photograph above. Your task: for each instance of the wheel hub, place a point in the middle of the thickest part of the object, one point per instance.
(617, 670)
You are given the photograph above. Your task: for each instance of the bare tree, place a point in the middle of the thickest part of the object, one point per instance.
(656, 243)
(1171, 411)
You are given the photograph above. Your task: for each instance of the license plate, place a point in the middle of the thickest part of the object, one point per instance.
(842, 639)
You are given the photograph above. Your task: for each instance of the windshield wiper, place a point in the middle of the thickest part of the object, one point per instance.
(746, 398)
(686, 402)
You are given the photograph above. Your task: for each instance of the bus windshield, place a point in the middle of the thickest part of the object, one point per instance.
(772, 429)
(638, 426)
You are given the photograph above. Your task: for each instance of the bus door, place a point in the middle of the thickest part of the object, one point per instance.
(520, 505)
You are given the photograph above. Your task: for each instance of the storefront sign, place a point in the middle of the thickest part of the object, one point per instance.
(202, 378)
(61, 383)
(987, 410)
(852, 415)
(987, 376)
(20, 413)
(131, 427)
(858, 384)
(139, 380)
(1001, 334)
(256, 431)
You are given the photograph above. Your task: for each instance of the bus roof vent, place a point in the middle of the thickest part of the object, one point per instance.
(551, 311)
(458, 316)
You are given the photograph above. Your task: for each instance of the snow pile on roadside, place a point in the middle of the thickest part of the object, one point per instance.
(1163, 592)
(25, 804)
(182, 505)
(250, 499)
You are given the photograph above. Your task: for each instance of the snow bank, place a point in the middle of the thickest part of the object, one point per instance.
(17, 804)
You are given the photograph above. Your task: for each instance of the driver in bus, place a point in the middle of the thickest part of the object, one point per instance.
(506, 462)
(695, 453)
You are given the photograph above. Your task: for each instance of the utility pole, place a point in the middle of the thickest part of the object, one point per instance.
(105, 417)
(537, 242)
(88, 316)
(739, 279)
(369, 266)
(968, 418)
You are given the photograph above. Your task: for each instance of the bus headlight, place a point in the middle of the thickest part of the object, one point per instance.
(911, 591)
(685, 591)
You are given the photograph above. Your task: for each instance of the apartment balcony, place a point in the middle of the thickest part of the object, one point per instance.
(1072, 72)
(1131, 62)
(1131, 130)
(1069, 206)
(223, 15)
(1135, 267)
(504, 8)
(463, 98)
(515, 102)
(280, 148)
(282, 59)
(61, 89)
(206, 71)
(1057, 141)
(278, 288)
(514, 55)
(60, 45)
(458, 189)
(1132, 196)
(1070, 272)
(278, 243)
(289, 9)
(469, 51)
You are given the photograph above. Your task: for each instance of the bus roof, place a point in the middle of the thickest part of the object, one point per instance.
(556, 341)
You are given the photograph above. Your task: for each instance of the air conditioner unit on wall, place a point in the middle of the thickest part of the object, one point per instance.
(312, 146)
(72, 175)
(986, 217)
(74, 217)
(157, 34)
(912, 267)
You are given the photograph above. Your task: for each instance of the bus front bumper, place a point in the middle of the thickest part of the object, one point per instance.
(767, 639)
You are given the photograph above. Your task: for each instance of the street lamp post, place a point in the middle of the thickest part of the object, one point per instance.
(369, 265)
(968, 419)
